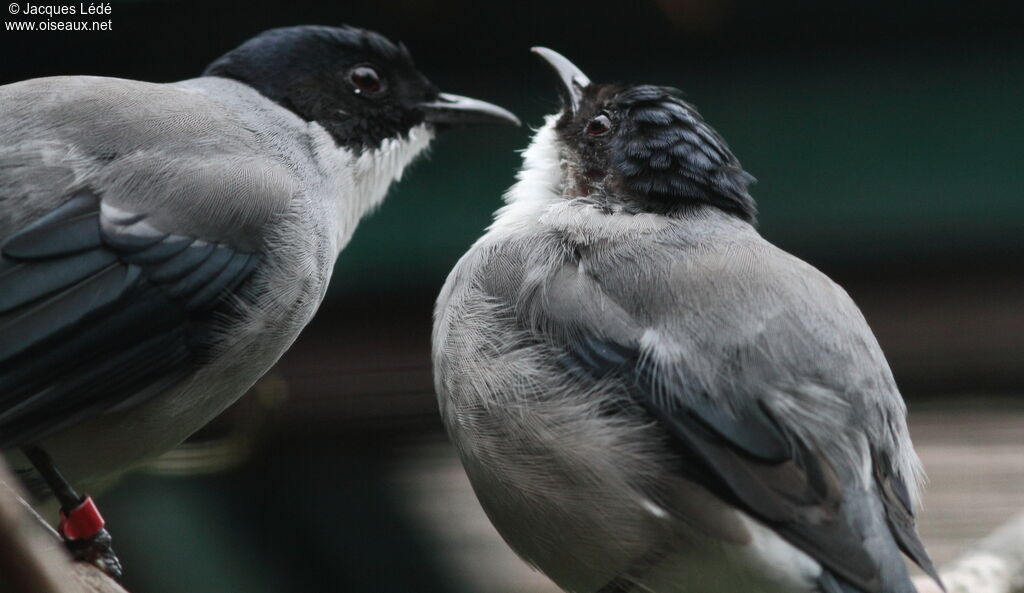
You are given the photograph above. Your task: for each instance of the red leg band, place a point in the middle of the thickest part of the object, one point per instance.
(82, 522)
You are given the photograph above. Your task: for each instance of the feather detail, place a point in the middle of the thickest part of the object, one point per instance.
(97, 304)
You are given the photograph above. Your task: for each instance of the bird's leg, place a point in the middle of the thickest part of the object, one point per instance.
(81, 525)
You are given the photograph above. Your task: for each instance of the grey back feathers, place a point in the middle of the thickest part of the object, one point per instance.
(152, 148)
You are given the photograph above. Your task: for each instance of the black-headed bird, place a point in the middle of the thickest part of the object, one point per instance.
(649, 396)
(161, 245)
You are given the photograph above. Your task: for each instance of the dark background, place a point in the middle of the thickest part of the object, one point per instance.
(887, 142)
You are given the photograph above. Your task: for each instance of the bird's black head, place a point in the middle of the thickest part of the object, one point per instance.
(358, 85)
(644, 148)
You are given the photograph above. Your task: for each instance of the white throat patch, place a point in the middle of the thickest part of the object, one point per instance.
(538, 184)
(536, 199)
(376, 169)
(355, 185)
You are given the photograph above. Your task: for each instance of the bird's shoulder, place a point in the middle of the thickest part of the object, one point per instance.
(716, 280)
(491, 266)
(190, 157)
(715, 263)
(110, 110)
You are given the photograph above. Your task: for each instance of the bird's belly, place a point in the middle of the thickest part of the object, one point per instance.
(571, 495)
(580, 537)
(584, 540)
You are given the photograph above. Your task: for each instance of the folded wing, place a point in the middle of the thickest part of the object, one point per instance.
(99, 310)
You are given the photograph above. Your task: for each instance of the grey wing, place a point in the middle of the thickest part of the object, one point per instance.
(128, 225)
(729, 423)
(899, 513)
(99, 309)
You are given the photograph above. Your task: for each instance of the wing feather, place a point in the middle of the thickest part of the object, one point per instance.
(747, 458)
(98, 309)
(715, 369)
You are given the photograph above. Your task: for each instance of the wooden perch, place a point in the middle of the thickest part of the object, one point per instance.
(32, 556)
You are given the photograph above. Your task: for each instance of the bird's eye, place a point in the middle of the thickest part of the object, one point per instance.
(599, 125)
(365, 79)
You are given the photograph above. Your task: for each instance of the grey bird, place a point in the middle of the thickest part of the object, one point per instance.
(646, 394)
(161, 245)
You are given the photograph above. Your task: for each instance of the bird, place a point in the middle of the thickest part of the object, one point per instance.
(161, 245)
(647, 395)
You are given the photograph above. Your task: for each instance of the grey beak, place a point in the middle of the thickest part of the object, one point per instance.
(572, 80)
(458, 110)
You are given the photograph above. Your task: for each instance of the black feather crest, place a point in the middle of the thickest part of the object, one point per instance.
(666, 152)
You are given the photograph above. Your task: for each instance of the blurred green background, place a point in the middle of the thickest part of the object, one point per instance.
(886, 139)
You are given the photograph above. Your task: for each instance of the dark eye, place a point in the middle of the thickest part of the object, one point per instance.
(365, 79)
(599, 125)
